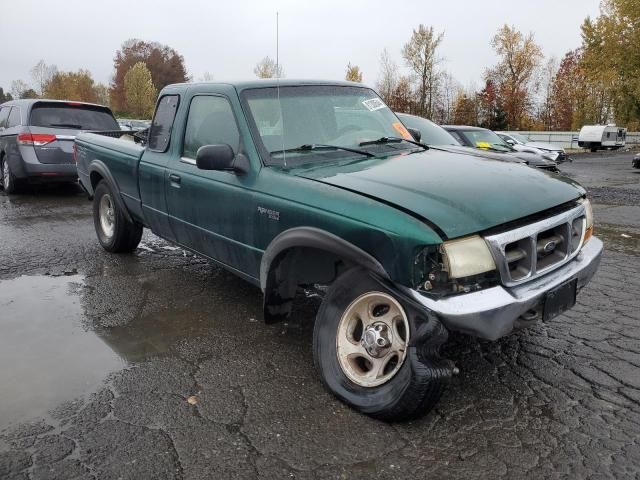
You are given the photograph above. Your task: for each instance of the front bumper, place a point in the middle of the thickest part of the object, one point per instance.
(496, 311)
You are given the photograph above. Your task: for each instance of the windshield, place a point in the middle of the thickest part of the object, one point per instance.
(519, 138)
(431, 134)
(75, 116)
(322, 115)
(485, 139)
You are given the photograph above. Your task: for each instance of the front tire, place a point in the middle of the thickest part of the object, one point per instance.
(374, 353)
(115, 233)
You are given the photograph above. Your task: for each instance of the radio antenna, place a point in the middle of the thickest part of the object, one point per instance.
(277, 72)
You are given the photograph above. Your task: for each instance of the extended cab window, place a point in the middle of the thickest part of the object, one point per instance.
(14, 118)
(210, 122)
(160, 132)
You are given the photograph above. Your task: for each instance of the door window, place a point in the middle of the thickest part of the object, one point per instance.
(160, 131)
(14, 118)
(210, 122)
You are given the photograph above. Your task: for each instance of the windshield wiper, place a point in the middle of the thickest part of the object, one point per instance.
(65, 125)
(383, 140)
(321, 146)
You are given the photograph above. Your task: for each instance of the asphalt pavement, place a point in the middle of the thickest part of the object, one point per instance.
(157, 365)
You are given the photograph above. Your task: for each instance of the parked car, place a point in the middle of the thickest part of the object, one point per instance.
(293, 184)
(36, 139)
(486, 139)
(434, 135)
(635, 163)
(523, 144)
(599, 137)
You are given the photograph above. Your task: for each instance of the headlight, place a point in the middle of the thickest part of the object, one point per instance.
(466, 256)
(588, 215)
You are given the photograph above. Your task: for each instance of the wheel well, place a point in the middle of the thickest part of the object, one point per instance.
(95, 178)
(297, 267)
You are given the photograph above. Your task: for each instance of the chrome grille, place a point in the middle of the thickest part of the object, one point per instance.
(527, 252)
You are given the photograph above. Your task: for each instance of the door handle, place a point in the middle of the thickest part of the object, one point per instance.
(174, 178)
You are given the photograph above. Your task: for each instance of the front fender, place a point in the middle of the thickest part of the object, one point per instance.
(320, 239)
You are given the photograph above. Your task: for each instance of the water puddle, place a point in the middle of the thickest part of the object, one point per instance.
(619, 239)
(46, 357)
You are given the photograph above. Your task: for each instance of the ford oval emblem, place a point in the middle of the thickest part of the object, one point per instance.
(549, 246)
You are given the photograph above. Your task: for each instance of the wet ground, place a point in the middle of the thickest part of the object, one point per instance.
(156, 365)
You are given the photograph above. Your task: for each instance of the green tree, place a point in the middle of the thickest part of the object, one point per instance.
(139, 91)
(611, 62)
(420, 54)
(5, 97)
(353, 73)
(165, 64)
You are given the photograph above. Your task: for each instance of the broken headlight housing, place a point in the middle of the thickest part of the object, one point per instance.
(456, 266)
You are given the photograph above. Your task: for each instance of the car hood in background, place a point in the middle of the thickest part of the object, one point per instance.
(460, 194)
(479, 152)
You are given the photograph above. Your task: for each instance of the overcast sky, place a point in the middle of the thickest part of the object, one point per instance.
(317, 38)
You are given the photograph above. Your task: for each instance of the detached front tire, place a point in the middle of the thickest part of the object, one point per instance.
(115, 233)
(374, 353)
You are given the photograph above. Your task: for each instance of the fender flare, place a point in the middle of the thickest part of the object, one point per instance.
(99, 167)
(316, 238)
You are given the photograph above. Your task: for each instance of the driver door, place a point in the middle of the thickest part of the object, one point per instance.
(211, 211)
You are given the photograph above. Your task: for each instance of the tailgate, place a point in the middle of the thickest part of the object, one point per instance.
(58, 151)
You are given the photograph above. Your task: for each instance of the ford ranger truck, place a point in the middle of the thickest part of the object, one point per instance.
(310, 184)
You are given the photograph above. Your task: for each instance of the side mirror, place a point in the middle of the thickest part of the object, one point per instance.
(415, 133)
(215, 157)
(510, 142)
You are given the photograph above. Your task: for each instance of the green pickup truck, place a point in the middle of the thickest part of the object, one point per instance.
(318, 185)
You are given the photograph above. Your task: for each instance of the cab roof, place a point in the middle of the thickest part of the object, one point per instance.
(270, 83)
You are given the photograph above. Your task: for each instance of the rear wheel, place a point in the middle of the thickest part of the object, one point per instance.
(366, 350)
(9, 181)
(115, 233)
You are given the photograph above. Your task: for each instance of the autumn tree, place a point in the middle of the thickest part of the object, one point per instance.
(42, 74)
(402, 96)
(353, 73)
(491, 114)
(140, 93)
(78, 86)
(268, 68)
(420, 54)
(515, 73)
(465, 108)
(388, 77)
(165, 64)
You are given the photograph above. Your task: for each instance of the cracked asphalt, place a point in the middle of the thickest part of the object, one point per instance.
(156, 365)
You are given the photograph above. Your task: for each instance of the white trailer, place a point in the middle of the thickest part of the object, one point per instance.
(596, 137)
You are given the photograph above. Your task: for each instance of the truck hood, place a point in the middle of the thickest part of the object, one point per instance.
(459, 194)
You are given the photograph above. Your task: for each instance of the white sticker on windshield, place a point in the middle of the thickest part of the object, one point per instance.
(374, 104)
